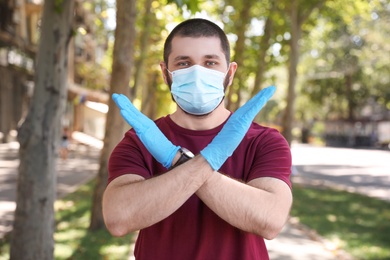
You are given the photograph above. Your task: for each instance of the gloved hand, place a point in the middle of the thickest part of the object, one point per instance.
(232, 133)
(151, 136)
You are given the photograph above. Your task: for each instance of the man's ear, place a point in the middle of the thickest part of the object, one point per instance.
(232, 71)
(164, 68)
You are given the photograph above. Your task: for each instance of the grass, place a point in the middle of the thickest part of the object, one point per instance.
(73, 240)
(359, 225)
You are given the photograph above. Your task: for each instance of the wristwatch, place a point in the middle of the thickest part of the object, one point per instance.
(185, 155)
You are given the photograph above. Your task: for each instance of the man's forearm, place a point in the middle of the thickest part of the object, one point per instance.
(130, 206)
(248, 208)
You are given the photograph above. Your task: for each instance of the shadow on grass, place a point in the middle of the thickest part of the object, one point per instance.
(358, 224)
(75, 241)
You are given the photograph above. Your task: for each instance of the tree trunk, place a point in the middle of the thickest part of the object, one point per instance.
(262, 58)
(239, 80)
(349, 95)
(288, 118)
(264, 46)
(32, 236)
(298, 15)
(139, 74)
(120, 77)
(149, 97)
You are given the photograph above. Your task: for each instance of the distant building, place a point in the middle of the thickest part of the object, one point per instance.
(19, 35)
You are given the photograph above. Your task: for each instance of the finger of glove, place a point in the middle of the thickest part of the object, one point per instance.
(120, 100)
(244, 116)
(215, 161)
(255, 104)
(265, 94)
(222, 147)
(132, 120)
(224, 144)
(124, 103)
(217, 152)
(131, 114)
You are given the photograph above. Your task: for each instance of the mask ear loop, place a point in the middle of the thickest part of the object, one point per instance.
(226, 73)
(228, 69)
(166, 67)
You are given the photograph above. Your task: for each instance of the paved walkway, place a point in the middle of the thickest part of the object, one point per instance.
(362, 171)
(80, 167)
(295, 242)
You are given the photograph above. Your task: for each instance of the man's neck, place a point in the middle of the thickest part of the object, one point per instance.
(206, 122)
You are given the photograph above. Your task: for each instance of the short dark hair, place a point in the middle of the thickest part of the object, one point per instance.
(196, 28)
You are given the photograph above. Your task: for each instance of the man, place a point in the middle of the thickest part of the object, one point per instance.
(219, 204)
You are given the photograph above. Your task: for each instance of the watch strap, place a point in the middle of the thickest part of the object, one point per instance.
(185, 155)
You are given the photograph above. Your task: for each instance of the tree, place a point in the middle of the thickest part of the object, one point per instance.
(32, 236)
(241, 23)
(145, 74)
(298, 14)
(144, 45)
(120, 77)
(346, 68)
(264, 45)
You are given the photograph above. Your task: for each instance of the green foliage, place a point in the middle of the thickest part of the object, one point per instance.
(348, 44)
(58, 6)
(356, 223)
(192, 5)
(73, 240)
(4, 249)
(92, 75)
(100, 9)
(340, 37)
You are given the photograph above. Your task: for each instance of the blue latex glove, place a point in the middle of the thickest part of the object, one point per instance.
(151, 136)
(232, 133)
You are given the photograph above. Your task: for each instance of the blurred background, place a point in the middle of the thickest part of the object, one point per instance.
(329, 60)
(331, 67)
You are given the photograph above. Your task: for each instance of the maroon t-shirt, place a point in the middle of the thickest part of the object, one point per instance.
(194, 231)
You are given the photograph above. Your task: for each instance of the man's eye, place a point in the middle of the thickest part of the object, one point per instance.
(211, 63)
(183, 64)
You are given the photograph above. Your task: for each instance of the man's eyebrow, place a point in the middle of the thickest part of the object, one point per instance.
(207, 56)
(181, 58)
(212, 56)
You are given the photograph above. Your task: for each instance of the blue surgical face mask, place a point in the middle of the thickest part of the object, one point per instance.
(197, 90)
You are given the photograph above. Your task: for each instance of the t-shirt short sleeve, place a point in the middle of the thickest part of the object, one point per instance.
(129, 157)
(272, 158)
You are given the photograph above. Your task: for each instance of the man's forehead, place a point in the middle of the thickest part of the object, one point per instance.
(200, 46)
(205, 39)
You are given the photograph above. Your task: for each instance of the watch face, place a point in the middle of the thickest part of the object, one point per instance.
(185, 155)
(187, 152)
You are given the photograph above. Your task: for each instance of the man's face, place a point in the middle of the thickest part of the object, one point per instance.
(204, 51)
